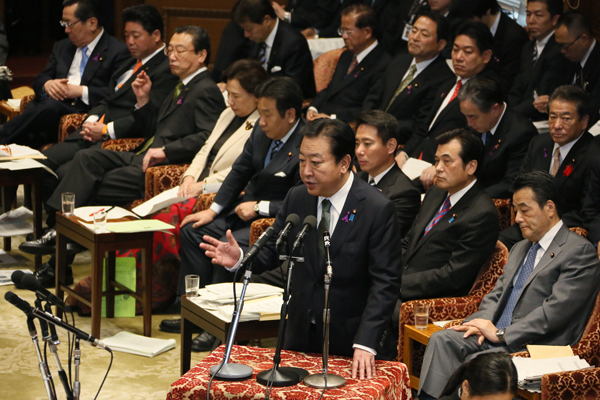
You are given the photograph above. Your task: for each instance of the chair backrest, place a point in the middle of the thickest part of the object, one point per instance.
(504, 207)
(490, 271)
(589, 345)
(324, 67)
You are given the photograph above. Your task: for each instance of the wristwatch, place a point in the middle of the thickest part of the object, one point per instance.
(257, 207)
(500, 335)
(105, 135)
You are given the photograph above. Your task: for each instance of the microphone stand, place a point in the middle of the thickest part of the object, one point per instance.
(77, 358)
(326, 380)
(46, 377)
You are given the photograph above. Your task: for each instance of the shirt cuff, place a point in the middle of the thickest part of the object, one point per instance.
(365, 348)
(263, 208)
(238, 264)
(111, 130)
(85, 95)
(92, 118)
(216, 208)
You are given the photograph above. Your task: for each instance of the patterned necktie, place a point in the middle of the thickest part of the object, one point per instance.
(324, 225)
(506, 317)
(137, 66)
(405, 82)
(372, 182)
(262, 55)
(458, 86)
(353, 65)
(555, 162)
(84, 60)
(276, 145)
(439, 215)
(535, 54)
(178, 90)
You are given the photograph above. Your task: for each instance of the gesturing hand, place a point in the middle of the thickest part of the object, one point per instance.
(225, 254)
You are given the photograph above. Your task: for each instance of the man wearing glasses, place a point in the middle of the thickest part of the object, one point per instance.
(75, 79)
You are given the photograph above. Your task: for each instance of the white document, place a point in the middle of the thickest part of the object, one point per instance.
(16, 151)
(87, 213)
(25, 163)
(253, 310)
(6, 274)
(159, 202)
(127, 342)
(320, 46)
(16, 222)
(533, 369)
(223, 292)
(15, 104)
(413, 167)
(441, 324)
(595, 130)
(542, 126)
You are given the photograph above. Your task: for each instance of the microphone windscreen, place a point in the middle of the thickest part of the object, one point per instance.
(294, 219)
(311, 221)
(30, 282)
(17, 276)
(18, 302)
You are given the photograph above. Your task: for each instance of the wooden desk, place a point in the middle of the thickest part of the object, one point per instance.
(99, 245)
(194, 315)
(422, 336)
(7, 110)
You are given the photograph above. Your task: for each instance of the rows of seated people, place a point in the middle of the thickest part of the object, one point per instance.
(455, 83)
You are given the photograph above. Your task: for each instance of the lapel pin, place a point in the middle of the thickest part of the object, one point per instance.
(346, 218)
(353, 215)
(452, 219)
(248, 125)
(290, 155)
(551, 255)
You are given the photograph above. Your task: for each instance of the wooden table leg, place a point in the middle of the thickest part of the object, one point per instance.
(97, 277)
(110, 289)
(186, 343)
(60, 269)
(147, 279)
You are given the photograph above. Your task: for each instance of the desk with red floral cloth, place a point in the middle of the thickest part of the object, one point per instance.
(391, 381)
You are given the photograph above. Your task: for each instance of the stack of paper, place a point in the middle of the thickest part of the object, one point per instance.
(266, 309)
(16, 222)
(126, 342)
(17, 152)
(530, 370)
(159, 202)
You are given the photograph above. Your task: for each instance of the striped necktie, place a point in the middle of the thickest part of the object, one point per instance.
(324, 225)
(445, 207)
(405, 82)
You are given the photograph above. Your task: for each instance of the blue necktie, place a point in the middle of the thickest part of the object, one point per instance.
(84, 60)
(275, 146)
(506, 317)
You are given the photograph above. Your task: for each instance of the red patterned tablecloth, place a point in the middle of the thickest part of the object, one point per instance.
(391, 382)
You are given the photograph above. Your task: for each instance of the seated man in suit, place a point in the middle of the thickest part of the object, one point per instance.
(265, 171)
(457, 227)
(365, 253)
(410, 82)
(175, 134)
(509, 36)
(551, 271)
(505, 135)
(543, 67)
(357, 70)
(75, 79)
(309, 16)
(281, 49)
(471, 53)
(567, 153)
(376, 142)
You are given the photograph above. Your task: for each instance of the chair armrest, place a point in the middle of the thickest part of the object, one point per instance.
(258, 227)
(26, 100)
(122, 144)
(204, 202)
(582, 384)
(68, 124)
(163, 177)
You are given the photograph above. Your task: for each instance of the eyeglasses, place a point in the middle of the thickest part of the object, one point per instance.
(65, 24)
(177, 51)
(566, 46)
(343, 32)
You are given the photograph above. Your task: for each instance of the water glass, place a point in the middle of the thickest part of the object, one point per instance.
(421, 316)
(192, 286)
(68, 203)
(100, 221)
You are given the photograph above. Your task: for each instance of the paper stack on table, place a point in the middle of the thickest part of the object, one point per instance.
(127, 342)
(530, 371)
(18, 152)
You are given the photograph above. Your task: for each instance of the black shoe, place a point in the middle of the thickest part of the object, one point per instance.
(47, 277)
(42, 246)
(203, 342)
(174, 326)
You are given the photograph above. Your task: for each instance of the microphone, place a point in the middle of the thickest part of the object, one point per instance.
(28, 310)
(30, 282)
(310, 222)
(17, 276)
(291, 221)
(258, 245)
(327, 244)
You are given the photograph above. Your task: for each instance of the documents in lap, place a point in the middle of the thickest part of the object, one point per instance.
(413, 167)
(159, 202)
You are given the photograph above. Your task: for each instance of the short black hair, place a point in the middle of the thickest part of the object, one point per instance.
(479, 32)
(386, 125)
(253, 11)
(576, 23)
(469, 9)
(572, 94)
(200, 39)
(543, 186)
(488, 373)
(286, 93)
(86, 9)
(147, 16)
(249, 74)
(555, 7)
(483, 92)
(339, 133)
(443, 29)
(471, 146)
(365, 18)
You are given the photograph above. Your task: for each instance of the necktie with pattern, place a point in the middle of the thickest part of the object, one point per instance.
(535, 54)
(555, 162)
(353, 65)
(324, 225)
(405, 82)
(372, 182)
(458, 86)
(262, 55)
(439, 215)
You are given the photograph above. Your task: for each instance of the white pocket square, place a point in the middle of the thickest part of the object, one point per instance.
(280, 174)
(276, 68)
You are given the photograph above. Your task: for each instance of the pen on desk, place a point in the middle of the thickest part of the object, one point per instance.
(97, 211)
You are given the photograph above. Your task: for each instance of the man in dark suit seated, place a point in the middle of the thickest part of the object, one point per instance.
(457, 227)
(567, 153)
(509, 36)
(357, 70)
(505, 134)
(175, 133)
(75, 79)
(265, 171)
(550, 272)
(281, 49)
(410, 82)
(376, 142)
(543, 67)
(309, 16)
(365, 253)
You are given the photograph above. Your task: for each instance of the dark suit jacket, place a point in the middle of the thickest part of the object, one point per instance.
(572, 175)
(446, 261)
(566, 278)
(312, 13)
(504, 154)
(183, 128)
(233, 46)
(107, 57)
(591, 203)
(548, 73)
(290, 56)
(249, 173)
(345, 94)
(366, 257)
(508, 46)
(589, 80)
(400, 190)
(413, 105)
(119, 105)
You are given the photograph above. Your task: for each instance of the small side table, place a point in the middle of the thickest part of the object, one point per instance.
(194, 315)
(7, 110)
(99, 244)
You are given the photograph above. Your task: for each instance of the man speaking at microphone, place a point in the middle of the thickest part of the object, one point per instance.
(365, 253)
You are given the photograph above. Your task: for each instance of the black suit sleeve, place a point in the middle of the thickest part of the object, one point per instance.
(48, 73)
(97, 93)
